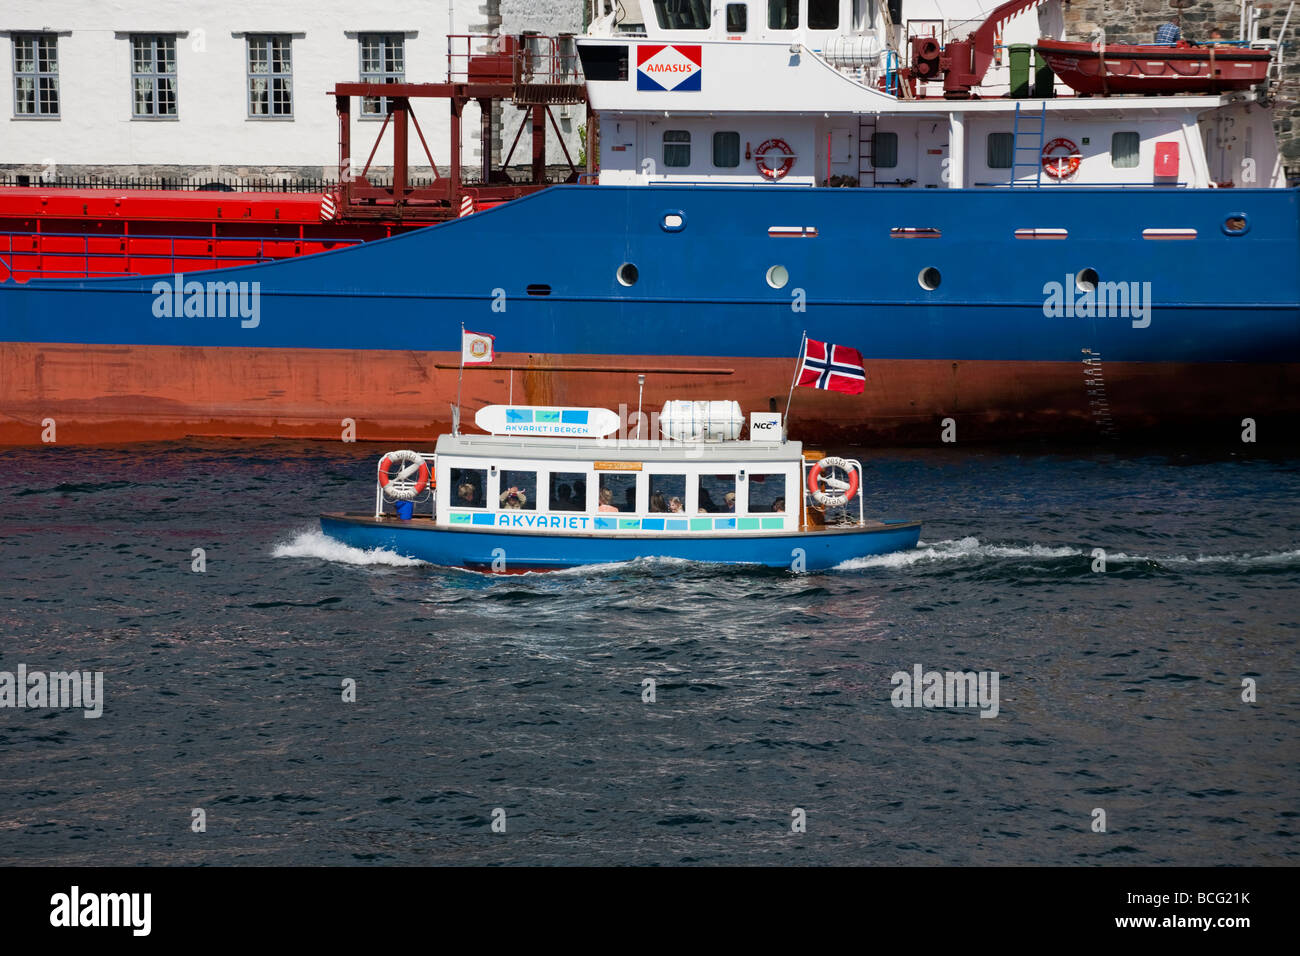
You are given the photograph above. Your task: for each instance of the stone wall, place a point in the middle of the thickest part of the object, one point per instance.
(1135, 21)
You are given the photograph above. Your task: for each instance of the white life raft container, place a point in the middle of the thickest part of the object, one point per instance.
(682, 420)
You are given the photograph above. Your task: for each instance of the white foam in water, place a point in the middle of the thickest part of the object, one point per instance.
(970, 548)
(315, 544)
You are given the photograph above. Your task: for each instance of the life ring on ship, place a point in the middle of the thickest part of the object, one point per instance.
(782, 150)
(846, 491)
(401, 488)
(1057, 165)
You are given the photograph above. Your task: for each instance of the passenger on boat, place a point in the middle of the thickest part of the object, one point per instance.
(467, 495)
(779, 506)
(657, 502)
(512, 498)
(674, 503)
(606, 500)
(730, 501)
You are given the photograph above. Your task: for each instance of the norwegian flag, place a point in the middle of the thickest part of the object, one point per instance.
(834, 367)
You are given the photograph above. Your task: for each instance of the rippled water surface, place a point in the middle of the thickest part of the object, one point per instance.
(1119, 690)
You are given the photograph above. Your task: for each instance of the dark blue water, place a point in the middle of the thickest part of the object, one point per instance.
(1119, 691)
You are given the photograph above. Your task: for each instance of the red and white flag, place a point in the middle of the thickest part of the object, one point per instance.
(835, 367)
(476, 348)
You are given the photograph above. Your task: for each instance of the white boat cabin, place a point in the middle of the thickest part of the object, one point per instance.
(807, 92)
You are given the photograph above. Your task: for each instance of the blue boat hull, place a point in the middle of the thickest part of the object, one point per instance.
(351, 333)
(524, 551)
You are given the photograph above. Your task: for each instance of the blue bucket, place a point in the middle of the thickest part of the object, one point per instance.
(404, 509)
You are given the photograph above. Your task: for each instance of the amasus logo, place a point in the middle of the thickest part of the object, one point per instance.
(668, 67)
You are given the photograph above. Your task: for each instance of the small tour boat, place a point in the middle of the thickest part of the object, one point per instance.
(545, 489)
(1181, 67)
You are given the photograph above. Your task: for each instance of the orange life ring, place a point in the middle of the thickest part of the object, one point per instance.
(814, 482)
(1061, 166)
(782, 149)
(422, 478)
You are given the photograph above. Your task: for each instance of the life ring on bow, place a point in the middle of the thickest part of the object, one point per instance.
(782, 151)
(401, 488)
(846, 491)
(1061, 165)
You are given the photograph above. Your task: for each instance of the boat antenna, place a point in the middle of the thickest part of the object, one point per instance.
(798, 364)
(640, 388)
(460, 376)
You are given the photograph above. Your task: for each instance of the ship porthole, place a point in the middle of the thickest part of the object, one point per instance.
(1086, 280)
(778, 276)
(1236, 224)
(929, 278)
(627, 274)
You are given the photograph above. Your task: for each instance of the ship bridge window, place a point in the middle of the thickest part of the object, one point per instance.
(737, 17)
(682, 14)
(783, 14)
(603, 62)
(823, 14)
(617, 492)
(518, 490)
(766, 493)
(677, 147)
(1000, 149)
(468, 488)
(668, 493)
(1124, 150)
(726, 150)
(568, 491)
(884, 150)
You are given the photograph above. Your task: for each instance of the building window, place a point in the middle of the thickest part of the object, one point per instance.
(677, 147)
(884, 150)
(682, 14)
(383, 60)
(782, 14)
(36, 74)
(153, 76)
(270, 76)
(823, 14)
(726, 150)
(1124, 150)
(737, 17)
(1001, 146)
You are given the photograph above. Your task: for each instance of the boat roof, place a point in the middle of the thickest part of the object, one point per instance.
(588, 449)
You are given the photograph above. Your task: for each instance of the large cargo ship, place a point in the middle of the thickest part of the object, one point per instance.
(1020, 264)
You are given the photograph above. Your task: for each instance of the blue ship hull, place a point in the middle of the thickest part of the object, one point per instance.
(507, 551)
(360, 332)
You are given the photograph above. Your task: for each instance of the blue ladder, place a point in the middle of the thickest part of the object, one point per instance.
(1036, 145)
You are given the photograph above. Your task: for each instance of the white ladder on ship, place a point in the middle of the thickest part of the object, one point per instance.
(1034, 144)
(867, 149)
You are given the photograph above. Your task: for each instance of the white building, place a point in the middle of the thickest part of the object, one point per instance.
(205, 88)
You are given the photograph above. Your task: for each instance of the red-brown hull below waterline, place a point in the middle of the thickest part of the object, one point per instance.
(109, 394)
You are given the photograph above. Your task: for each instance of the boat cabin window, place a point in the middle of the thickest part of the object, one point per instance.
(766, 493)
(568, 491)
(717, 494)
(1000, 149)
(1124, 150)
(737, 17)
(677, 147)
(617, 492)
(726, 150)
(782, 14)
(668, 493)
(884, 150)
(682, 14)
(823, 14)
(469, 487)
(518, 490)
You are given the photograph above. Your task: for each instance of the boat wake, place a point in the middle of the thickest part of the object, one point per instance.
(315, 544)
(971, 550)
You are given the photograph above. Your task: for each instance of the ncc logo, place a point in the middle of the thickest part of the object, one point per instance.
(667, 67)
